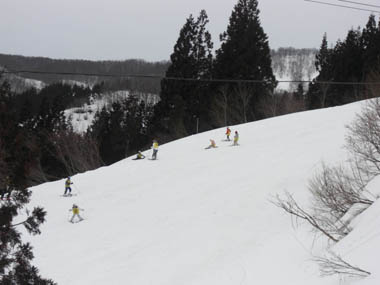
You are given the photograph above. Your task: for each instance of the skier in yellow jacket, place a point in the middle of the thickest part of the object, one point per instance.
(75, 209)
(139, 156)
(155, 149)
(67, 186)
(236, 138)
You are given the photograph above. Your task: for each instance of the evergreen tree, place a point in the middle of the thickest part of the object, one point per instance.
(121, 130)
(370, 42)
(15, 256)
(15, 164)
(299, 94)
(245, 54)
(343, 63)
(347, 62)
(25, 113)
(322, 60)
(183, 101)
(317, 94)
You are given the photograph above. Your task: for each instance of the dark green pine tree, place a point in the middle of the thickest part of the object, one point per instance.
(183, 101)
(347, 62)
(322, 60)
(199, 99)
(117, 135)
(121, 130)
(245, 54)
(370, 42)
(317, 93)
(100, 131)
(299, 94)
(25, 113)
(15, 255)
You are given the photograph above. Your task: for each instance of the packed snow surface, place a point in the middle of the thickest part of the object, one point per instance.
(203, 217)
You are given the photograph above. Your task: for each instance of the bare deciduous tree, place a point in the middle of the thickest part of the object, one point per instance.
(223, 91)
(219, 110)
(245, 93)
(324, 88)
(335, 264)
(363, 140)
(271, 104)
(373, 90)
(335, 191)
(280, 103)
(76, 152)
(290, 205)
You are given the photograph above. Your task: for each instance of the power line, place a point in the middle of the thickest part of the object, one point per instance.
(82, 74)
(358, 3)
(343, 6)
(160, 77)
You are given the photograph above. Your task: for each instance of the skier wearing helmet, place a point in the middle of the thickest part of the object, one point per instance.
(67, 186)
(139, 155)
(228, 133)
(212, 144)
(75, 209)
(155, 149)
(236, 138)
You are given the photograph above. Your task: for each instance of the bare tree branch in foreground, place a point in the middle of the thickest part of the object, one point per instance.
(336, 265)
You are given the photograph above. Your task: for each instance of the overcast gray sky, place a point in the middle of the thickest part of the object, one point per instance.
(148, 29)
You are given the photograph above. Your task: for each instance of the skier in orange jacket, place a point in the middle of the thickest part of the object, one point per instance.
(228, 132)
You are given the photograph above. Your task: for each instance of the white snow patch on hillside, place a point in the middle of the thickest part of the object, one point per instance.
(37, 84)
(81, 118)
(203, 217)
(77, 83)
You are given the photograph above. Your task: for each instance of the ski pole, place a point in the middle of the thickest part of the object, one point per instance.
(68, 216)
(76, 188)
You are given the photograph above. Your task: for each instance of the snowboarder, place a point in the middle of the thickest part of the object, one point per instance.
(155, 149)
(139, 155)
(212, 144)
(75, 209)
(228, 132)
(236, 138)
(67, 186)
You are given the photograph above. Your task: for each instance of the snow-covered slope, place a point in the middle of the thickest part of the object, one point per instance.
(20, 84)
(199, 216)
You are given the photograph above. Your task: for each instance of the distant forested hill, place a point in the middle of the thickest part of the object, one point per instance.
(287, 63)
(131, 66)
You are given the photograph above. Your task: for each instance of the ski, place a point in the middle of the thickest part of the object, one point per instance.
(75, 222)
(68, 195)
